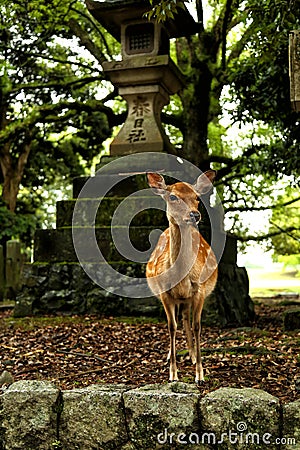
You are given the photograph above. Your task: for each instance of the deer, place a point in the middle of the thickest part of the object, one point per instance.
(182, 270)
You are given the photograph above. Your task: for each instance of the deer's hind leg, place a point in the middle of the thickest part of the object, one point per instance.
(197, 311)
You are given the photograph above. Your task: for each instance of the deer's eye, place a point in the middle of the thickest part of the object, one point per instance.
(173, 198)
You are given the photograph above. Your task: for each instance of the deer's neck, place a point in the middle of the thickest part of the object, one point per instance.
(181, 243)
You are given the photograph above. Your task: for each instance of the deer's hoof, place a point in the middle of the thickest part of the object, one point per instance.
(173, 378)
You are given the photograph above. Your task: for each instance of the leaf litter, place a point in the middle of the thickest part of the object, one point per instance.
(77, 351)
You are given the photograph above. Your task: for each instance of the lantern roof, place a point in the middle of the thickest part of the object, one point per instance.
(113, 13)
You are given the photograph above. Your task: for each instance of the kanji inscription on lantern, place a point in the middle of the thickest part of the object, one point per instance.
(136, 135)
(140, 108)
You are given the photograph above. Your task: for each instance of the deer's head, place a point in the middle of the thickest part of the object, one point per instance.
(182, 199)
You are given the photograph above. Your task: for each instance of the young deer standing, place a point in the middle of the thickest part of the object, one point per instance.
(182, 270)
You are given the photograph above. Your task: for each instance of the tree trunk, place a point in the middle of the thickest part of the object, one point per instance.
(13, 173)
(196, 102)
(196, 96)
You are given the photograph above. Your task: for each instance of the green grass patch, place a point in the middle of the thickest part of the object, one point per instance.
(138, 320)
(271, 292)
(30, 323)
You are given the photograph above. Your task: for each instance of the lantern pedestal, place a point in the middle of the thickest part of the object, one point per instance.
(142, 130)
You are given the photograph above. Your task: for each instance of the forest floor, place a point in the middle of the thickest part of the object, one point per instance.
(77, 351)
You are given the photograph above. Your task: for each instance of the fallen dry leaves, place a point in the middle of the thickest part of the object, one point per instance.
(79, 351)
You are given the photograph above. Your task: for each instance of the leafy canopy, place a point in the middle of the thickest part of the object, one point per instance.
(57, 106)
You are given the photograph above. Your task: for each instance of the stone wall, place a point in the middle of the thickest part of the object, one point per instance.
(65, 288)
(37, 415)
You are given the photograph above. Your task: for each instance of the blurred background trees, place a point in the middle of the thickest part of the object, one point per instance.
(57, 109)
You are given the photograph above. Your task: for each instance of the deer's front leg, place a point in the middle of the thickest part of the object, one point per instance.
(197, 310)
(186, 312)
(169, 307)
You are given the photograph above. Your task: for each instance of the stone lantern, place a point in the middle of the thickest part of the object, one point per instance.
(146, 76)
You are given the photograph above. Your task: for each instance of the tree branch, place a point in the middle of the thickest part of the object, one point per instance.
(175, 120)
(95, 25)
(62, 61)
(285, 231)
(199, 9)
(227, 19)
(222, 159)
(261, 208)
(231, 163)
(41, 114)
(240, 45)
(220, 28)
(86, 41)
(262, 237)
(76, 82)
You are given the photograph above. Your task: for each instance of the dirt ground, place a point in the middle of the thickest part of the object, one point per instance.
(79, 351)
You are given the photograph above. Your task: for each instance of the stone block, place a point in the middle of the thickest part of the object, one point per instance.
(93, 418)
(291, 426)
(57, 245)
(291, 320)
(240, 419)
(105, 184)
(29, 413)
(6, 378)
(134, 211)
(163, 416)
(66, 288)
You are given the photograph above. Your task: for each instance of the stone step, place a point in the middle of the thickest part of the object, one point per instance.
(107, 185)
(132, 210)
(145, 162)
(57, 245)
(135, 243)
(119, 185)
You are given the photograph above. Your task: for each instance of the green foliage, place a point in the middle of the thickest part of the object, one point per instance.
(259, 83)
(290, 262)
(164, 9)
(17, 226)
(286, 217)
(54, 97)
(52, 123)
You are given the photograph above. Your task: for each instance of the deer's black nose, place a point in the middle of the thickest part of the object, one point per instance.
(195, 216)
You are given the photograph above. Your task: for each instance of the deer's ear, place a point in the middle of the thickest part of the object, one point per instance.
(157, 183)
(204, 182)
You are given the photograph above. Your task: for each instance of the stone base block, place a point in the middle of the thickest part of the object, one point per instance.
(35, 415)
(158, 415)
(30, 413)
(291, 425)
(291, 320)
(240, 419)
(93, 418)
